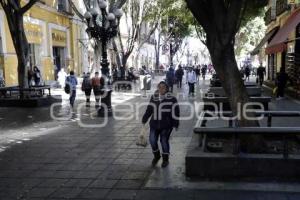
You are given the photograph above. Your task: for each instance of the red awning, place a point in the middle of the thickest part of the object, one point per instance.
(278, 44)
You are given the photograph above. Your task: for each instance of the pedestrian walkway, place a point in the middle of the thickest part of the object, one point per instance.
(67, 161)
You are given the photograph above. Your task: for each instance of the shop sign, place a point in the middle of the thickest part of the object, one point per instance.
(59, 38)
(33, 33)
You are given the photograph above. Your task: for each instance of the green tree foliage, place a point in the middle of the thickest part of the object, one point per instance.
(249, 36)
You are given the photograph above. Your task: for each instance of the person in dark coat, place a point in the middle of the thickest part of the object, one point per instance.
(37, 76)
(170, 78)
(164, 112)
(179, 74)
(86, 87)
(281, 81)
(261, 71)
(247, 73)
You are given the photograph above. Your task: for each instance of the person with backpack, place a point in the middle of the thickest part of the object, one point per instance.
(164, 111)
(86, 87)
(170, 78)
(179, 74)
(97, 86)
(71, 83)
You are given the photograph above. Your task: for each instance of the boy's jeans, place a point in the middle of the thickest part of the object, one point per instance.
(164, 135)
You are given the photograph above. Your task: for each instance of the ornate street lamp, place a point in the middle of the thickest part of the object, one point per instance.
(103, 26)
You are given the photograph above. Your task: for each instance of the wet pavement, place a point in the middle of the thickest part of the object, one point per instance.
(75, 158)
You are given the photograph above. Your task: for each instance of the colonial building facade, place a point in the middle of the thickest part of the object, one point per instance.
(282, 41)
(54, 36)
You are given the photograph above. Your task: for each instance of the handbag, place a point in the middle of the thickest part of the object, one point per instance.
(142, 138)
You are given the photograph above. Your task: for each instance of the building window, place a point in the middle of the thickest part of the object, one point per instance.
(34, 55)
(62, 5)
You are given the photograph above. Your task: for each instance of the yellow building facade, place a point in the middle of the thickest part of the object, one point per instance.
(53, 34)
(283, 48)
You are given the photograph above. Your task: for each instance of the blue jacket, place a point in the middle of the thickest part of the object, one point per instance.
(72, 81)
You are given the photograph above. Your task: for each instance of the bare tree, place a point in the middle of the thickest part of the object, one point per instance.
(14, 12)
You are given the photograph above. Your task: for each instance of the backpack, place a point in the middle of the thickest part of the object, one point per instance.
(86, 84)
(67, 87)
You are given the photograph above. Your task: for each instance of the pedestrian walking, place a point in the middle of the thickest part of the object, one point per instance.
(261, 71)
(179, 74)
(72, 82)
(86, 87)
(37, 76)
(97, 85)
(191, 80)
(197, 71)
(281, 81)
(203, 71)
(247, 73)
(164, 112)
(170, 78)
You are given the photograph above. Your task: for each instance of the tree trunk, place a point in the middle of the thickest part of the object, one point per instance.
(115, 47)
(223, 58)
(21, 47)
(124, 60)
(157, 53)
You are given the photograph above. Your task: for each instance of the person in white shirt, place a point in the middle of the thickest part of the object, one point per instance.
(191, 79)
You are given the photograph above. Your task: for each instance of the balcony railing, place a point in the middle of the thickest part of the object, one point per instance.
(268, 16)
(281, 6)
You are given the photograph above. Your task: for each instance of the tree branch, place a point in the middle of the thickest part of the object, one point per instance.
(77, 12)
(14, 5)
(25, 8)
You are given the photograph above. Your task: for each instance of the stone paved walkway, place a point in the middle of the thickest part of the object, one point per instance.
(62, 160)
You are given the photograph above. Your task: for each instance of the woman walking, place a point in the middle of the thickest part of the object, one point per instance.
(86, 87)
(97, 85)
(164, 112)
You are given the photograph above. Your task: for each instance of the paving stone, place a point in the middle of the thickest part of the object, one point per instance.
(77, 183)
(129, 184)
(87, 174)
(52, 183)
(40, 192)
(102, 183)
(92, 193)
(67, 193)
(122, 194)
(134, 176)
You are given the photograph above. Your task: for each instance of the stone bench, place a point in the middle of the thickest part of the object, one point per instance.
(228, 164)
(219, 91)
(36, 90)
(223, 101)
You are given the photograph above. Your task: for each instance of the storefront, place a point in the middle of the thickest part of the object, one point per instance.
(59, 45)
(34, 35)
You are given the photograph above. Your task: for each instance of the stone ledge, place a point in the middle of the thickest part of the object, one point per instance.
(223, 166)
(32, 102)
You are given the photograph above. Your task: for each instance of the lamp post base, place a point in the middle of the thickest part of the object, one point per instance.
(106, 108)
